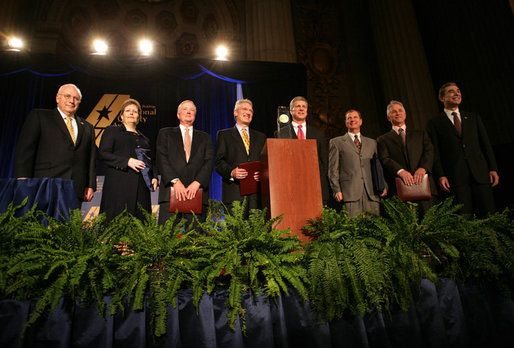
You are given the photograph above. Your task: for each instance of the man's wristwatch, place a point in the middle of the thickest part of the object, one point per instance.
(174, 181)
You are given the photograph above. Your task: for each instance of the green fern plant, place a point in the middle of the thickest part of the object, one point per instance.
(248, 255)
(10, 226)
(420, 248)
(155, 260)
(487, 249)
(64, 258)
(346, 266)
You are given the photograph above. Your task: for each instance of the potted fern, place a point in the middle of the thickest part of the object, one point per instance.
(155, 261)
(248, 255)
(63, 259)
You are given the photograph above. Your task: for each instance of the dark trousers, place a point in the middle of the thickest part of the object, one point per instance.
(477, 198)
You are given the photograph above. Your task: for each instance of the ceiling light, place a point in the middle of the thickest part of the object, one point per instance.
(221, 52)
(146, 47)
(15, 44)
(100, 47)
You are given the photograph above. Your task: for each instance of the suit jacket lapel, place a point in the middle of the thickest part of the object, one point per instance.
(239, 140)
(61, 125)
(293, 134)
(309, 132)
(365, 146)
(449, 123)
(195, 145)
(408, 149)
(177, 137)
(349, 141)
(463, 121)
(253, 142)
(80, 127)
(397, 140)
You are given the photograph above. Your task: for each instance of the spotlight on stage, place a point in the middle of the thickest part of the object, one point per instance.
(146, 47)
(15, 44)
(221, 53)
(100, 47)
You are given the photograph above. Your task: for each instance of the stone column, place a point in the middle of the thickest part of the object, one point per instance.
(269, 31)
(402, 62)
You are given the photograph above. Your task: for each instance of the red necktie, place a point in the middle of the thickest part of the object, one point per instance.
(357, 142)
(300, 132)
(457, 123)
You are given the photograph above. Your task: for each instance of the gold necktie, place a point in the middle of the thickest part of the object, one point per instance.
(187, 144)
(70, 128)
(246, 141)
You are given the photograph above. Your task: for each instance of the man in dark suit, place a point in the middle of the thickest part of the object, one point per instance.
(184, 161)
(232, 149)
(350, 168)
(59, 144)
(408, 154)
(464, 162)
(299, 129)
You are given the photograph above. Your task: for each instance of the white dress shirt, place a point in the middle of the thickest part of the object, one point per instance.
(73, 122)
(450, 116)
(304, 128)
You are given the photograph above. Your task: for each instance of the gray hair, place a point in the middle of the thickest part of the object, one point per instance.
(185, 101)
(390, 105)
(70, 85)
(241, 101)
(295, 99)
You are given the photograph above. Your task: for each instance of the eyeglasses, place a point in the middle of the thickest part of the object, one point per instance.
(69, 96)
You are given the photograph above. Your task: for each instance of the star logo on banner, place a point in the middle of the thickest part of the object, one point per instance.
(104, 113)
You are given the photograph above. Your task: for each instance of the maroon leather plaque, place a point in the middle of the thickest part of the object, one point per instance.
(248, 185)
(188, 206)
(413, 192)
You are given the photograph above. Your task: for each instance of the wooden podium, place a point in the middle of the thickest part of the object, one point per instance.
(290, 182)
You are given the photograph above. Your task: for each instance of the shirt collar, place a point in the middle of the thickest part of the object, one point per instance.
(183, 128)
(63, 115)
(449, 113)
(352, 136)
(396, 128)
(240, 128)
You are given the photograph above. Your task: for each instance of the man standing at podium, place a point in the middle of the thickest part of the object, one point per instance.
(234, 146)
(184, 161)
(350, 168)
(299, 129)
(59, 144)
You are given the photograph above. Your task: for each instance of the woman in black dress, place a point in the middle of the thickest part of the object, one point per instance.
(129, 176)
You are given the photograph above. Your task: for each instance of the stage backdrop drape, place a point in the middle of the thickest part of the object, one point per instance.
(446, 315)
(30, 81)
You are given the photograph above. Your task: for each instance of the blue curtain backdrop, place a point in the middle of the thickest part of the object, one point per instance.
(446, 315)
(30, 81)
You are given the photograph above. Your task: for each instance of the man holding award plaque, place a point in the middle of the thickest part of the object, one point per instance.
(184, 160)
(407, 154)
(237, 157)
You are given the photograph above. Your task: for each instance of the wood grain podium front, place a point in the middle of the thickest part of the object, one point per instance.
(290, 182)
